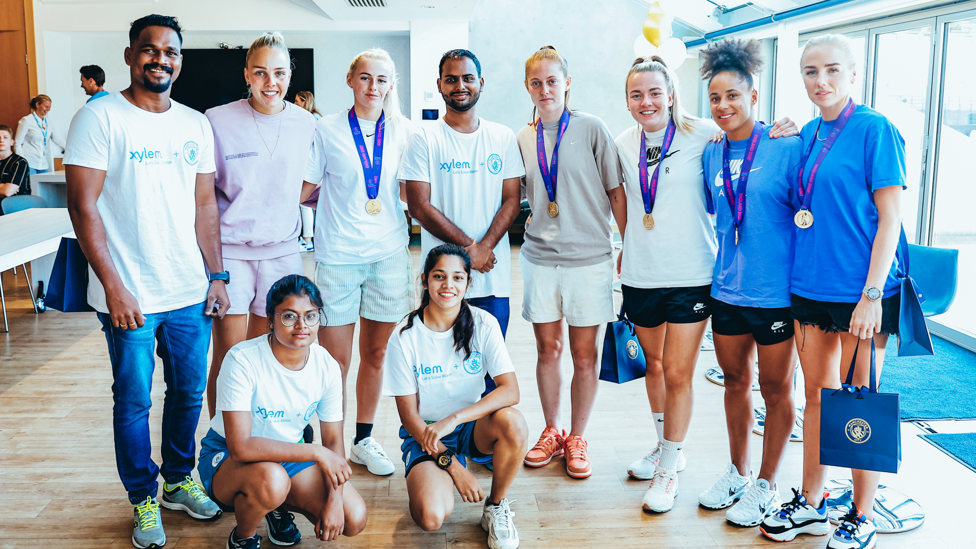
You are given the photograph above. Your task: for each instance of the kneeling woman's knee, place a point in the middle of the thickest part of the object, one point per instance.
(513, 426)
(356, 516)
(429, 519)
(270, 484)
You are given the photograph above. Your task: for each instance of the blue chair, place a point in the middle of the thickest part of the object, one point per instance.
(935, 271)
(11, 205)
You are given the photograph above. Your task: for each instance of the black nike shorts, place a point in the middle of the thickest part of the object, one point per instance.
(768, 326)
(649, 308)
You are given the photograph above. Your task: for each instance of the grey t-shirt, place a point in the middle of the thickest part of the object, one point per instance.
(588, 168)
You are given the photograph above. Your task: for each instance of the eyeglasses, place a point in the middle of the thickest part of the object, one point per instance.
(290, 319)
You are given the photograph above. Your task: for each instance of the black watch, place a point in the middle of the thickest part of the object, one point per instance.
(224, 276)
(445, 458)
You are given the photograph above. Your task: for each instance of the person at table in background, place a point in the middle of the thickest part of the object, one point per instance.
(306, 100)
(567, 258)
(362, 263)
(14, 171)
(137, 159)
(845, 280)
(92, 81)
(34, 133)
(751, 281)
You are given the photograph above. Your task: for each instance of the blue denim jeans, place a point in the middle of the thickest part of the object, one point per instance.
(181, 338)
(497, 307)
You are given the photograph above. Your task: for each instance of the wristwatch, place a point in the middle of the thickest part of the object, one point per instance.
(445, 458)
(224, 276)
(872, 293)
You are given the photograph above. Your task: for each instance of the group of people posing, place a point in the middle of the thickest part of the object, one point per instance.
(191, 226)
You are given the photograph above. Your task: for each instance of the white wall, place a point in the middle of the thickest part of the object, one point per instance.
(428, 42)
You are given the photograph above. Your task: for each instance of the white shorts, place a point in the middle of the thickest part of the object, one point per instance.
(581, 295)
(381, 291)
(250, 280)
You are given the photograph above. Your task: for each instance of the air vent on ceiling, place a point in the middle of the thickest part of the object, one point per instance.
(367, 3)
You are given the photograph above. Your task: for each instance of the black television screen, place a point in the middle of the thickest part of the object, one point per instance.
(210, 78)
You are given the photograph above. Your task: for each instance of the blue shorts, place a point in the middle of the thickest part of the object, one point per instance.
(213, 453)
(461, 441)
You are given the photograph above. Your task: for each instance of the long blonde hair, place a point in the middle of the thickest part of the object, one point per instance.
(309, 100)
(684, 121)
(391, 103)
(548, 53)
(842, 43)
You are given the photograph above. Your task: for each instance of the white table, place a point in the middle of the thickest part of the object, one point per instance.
(51, 187)
(33, 235)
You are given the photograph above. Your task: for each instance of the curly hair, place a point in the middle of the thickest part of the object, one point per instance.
(743, 57)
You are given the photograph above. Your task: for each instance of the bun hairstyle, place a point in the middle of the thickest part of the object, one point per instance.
(272, 40)
(839, 41)
(35, 101)
(743, 57)
(391, 103)
(684, 121)
(464, 325)
(290, 285)
(548, 53)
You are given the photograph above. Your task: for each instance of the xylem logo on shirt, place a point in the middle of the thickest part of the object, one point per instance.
(270, 414)
(144, 155)
(452, 165)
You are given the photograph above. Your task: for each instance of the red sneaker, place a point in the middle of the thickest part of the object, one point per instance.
(550, 444)
(577, 463)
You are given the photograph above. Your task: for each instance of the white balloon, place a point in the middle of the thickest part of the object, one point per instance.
(643, 48)
(673, 51)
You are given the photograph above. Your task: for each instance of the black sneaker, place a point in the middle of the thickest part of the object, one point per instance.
(281, 528)
(234, 542)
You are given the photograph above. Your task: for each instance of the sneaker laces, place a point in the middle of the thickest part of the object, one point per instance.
(193, 488)
(787, 509)
(546, 442)
(576, 447)
(148, 514)
(502, 514)
(658, 478)
(655, 454)
(723, 484)
(754, 496)
(285, 518)
(372, 447)
(850, 523)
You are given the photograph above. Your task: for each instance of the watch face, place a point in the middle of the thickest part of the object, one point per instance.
(444, 461)
(874, 293)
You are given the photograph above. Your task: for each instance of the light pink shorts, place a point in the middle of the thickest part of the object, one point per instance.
(251, 279)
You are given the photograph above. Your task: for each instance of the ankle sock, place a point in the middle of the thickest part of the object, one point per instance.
(659, 425)
(363, 430)
(670, 451)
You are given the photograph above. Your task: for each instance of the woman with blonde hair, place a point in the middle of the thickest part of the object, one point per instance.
(573, 185)
(34, 131)
(363, 265)
(306, 100)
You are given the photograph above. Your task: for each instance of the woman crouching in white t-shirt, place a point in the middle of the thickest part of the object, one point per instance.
(267, 391)
(435, 367)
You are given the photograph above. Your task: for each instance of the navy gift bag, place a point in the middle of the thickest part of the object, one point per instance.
(913, 333)
(859, 427)
(67, 289)
(623, 359)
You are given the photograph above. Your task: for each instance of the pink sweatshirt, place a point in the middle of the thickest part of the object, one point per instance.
(261, 161)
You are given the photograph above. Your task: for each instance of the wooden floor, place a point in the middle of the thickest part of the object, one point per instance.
(59, 486)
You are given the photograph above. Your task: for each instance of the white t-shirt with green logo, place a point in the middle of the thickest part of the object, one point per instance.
(424, 363)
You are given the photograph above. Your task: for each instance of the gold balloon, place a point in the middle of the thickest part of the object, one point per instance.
(652, 29)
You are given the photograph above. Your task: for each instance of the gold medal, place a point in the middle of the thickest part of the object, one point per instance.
(553, 209)
(803, 219)
(374, 207)
(528, 220)
(737, 236)
(648, 221)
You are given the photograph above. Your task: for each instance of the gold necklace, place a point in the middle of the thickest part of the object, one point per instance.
(281, 117)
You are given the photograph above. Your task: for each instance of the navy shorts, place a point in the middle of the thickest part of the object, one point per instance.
(649, 308)
(768, 326)
(213, 453)
(834, 317)
(461, 442)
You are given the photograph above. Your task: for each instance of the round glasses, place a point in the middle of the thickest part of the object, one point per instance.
(290, 319)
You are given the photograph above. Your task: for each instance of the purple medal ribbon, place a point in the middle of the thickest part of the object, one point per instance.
(806, 194)
(649, 192)
(737, 197)
(549, 174)
(371, 171)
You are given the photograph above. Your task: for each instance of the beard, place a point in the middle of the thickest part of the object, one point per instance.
(157, 87)
(465, 106)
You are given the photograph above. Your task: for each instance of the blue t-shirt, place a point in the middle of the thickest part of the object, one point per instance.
(99, 93)
(756, 273)
(832, 257)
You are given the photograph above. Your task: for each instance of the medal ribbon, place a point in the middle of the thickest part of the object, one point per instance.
(371, 171)
(549, 173)
(42, 127)
(649, 192)
(737, 198)
(806, 194)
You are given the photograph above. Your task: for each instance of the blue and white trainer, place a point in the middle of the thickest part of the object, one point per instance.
(234, 542)
(855, 532)
(726, 491)
(281, 528)
(796, 517)
(758, 503)
(147, 532)
(189, 496)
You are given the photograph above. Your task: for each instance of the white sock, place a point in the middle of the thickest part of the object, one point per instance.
(659, 425)
(670, 451)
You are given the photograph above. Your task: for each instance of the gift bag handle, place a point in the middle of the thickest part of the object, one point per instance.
(903, 254)
(873, 383)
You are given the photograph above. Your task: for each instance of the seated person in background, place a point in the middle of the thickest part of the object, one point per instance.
(435, 367)
(14, 171)
(253, 458)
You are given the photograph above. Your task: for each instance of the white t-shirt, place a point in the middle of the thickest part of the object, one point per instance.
(424, 363)
(466, 172)
(281, 401)
(345, 233)
(148, 203)
(679, 252)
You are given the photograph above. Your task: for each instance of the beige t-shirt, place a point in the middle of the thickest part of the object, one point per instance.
(588, 168)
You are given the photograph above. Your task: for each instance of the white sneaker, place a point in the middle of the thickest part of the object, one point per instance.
(854, 532)
(659, 497)
(497, 521)
(726, 490)
(369, 453)
(643, 469)
(796, 517)
(759, 502)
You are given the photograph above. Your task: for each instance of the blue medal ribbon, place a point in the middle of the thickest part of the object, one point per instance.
(737, 197)
(806, 194)
(371, 170)
(42, 127)
(649, 191)
(549, 173)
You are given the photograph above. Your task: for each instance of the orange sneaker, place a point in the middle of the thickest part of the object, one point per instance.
(577, 464)
(550, 444)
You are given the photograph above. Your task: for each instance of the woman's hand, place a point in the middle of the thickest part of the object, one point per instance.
(434, 432)
(784, 127)
(334, 467)
(332, 521)
(866, 319)
(718, 137)
(468, 486)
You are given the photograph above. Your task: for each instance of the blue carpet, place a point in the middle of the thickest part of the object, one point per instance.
(959, 446)
(942, 386)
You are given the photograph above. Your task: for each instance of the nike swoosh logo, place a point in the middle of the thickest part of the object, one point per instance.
(778, 325)
(574, 142)
(735, 177)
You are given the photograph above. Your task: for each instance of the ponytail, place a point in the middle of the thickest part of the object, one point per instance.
(683, 120)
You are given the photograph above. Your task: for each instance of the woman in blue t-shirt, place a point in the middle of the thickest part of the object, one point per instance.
(844, 281)
(751, 282)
